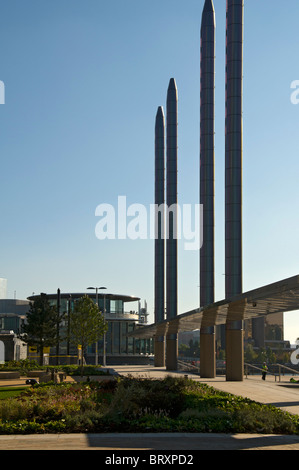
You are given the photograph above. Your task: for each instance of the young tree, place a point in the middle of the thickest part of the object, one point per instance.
(249, 354)
(40, 327)
(87, 324)
(183, 349)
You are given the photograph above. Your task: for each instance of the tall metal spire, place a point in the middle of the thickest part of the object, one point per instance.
(207, 157)
(159, 201)
(159, 280)
(207, 129)
(234, 328)
(171, 198)
(233, 147)
(208, 7)
(171, 221)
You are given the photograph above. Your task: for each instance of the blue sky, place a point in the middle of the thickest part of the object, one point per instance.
(83, 81)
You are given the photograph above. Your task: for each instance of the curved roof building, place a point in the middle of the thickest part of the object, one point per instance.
(122, 313)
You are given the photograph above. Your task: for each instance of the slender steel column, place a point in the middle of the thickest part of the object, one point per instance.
(233, 147)
(233, 164)
(171, 202)
(207, 192)
(159, 233)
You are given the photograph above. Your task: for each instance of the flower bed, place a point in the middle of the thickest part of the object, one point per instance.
(139, 405)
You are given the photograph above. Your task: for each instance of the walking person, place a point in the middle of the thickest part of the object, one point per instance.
(264, 372)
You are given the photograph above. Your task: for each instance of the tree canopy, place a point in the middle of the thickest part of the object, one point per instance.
(40, 329)
(87, 324)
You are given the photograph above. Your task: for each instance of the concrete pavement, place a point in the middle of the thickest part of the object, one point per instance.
(134, 444)
(281, 394)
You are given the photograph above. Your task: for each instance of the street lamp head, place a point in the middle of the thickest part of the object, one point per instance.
(96, 287)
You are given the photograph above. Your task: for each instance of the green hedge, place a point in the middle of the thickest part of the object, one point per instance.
(26, 365)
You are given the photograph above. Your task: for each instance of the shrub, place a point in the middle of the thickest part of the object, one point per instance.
(138, 405)
(264, 419)
(23, 365)
(134, 398)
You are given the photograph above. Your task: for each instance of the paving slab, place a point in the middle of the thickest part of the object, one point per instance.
(172, 443)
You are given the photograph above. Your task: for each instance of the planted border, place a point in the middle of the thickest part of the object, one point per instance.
(139, 405)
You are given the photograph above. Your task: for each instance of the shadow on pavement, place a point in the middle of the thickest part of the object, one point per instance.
(177, 442)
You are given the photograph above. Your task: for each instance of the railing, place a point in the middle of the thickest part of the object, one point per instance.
(280, 367)
(259, 369)
(187, 366)
(121, 316)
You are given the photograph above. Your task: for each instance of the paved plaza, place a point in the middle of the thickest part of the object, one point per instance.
(172, 443)
(282, 394)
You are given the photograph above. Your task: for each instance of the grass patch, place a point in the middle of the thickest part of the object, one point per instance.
(10, 392)
(139, 405)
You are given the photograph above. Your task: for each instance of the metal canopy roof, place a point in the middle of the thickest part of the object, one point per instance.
(282, 296)
(101, 295)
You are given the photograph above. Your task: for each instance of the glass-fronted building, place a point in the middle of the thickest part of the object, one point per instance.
(122, 313)
(13, 314)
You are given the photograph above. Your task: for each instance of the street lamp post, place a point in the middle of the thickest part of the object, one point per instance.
(104, 337)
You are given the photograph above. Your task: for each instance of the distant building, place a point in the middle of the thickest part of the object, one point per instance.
(265, 331)
(122, 313)
(143, 313)
(13, 348)
(13, 314)
(184, 337)
(260, 332)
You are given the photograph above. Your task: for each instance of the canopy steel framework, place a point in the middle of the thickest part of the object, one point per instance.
(281, 296)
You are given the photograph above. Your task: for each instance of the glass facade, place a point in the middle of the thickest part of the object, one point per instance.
(12, 314)
(121, 321)
(11, 322)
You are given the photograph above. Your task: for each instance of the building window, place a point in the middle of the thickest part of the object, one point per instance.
(116, 306)
(116, 339)
(130, 340)
(123, 338)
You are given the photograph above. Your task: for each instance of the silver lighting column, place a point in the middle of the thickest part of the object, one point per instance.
(171, 235)
(207, 171)
(233, 147)
(207, 183)
(171, 199)
(159, 233)
(234, 332)
(159, 201)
